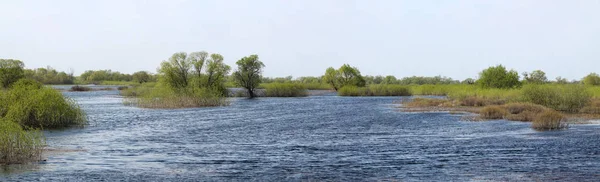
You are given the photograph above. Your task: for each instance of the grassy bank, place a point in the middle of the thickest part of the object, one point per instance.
(152, 95)
(375, 90)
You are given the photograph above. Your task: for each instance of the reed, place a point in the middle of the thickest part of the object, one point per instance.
(18, 146)
(285, 90)
(549, 120)
(375, 90)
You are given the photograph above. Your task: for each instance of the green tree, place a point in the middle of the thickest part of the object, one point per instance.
(561, 80)
(141, 77)
(389, 80)
(175, 72)
(350, 76)
(498, 77)
(536, 77)
(10, 71)
(216, 73)
(248, 74)
(331, 78)
(591, 79)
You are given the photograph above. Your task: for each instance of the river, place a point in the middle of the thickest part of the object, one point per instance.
(317, 138)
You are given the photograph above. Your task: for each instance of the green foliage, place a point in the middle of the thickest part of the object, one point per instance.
(375, 90)
(561, 80)
(49, 76)
(30, 104)
(567, 98)
(420, 80)
(141, 77)
(18, 146)
(162, 96)
(592, 79)
(175, 72)
(549, 120)
(285, 90)
(344, 76)
(249, 73)
(498, 77)
(100, 76)
(10, 71)
(535, 77)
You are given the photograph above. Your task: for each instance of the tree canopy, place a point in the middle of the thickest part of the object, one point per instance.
(10, 71)
(249, 73)
(498, 77)
(344, 76)
(591, 79)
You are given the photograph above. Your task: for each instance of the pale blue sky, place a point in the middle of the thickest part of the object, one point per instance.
(304, 37)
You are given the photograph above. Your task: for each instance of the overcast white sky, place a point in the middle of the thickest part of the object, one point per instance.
(304, 37)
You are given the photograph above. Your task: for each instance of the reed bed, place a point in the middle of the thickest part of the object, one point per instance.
(18, 146)
(375, 90)
(286, 90)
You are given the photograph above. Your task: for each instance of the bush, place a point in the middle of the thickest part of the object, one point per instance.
(285, 90)
(549, 120)
(78, 88)
(498, 77)
(31, 105)
(18, 146)
(523, 111)
(492, 112)
(567, 98)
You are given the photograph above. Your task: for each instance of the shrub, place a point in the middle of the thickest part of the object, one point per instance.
(78, 88)
(122, 87)
(18, 146)
(567, 98)
(285, 90)
(492, 112)
(30, 105)
(549, 120)
(591, 79)
(498, 77)
(523, 111)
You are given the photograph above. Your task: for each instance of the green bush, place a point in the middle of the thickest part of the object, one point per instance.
(498, 77)
(566, 98)
(31, 105)
(285, 90)
(18, 146)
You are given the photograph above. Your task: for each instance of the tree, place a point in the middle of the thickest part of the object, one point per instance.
(536, 77)
(591, 79)
(468, 81)
(216, 72)
(389, 80)
(175, 72)
(350, 76)
(331, 78)
(498, 77)
(248, 74)
(141, 77)
(561, 80)
(10, 72)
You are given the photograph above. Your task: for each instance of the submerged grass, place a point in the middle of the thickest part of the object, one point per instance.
(19, 146)
(549, 120)
(375, 90)
(285, 90)
(159, 96)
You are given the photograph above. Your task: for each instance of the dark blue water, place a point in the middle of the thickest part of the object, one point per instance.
(319, 138)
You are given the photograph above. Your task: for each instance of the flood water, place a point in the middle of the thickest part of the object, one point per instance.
(317, 138)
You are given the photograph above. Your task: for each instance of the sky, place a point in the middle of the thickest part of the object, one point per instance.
(403, 38)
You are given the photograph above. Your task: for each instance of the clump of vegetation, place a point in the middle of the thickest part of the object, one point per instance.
(194, 80)
(566, 98)
(10, 71)
(375, 90)
(285, 90)
(30, 104)
(122, 87)
(593, 79)
(549, 120)
(523, 111)
(49, 76)
(19, 146)
(78, 88)
(492, 112)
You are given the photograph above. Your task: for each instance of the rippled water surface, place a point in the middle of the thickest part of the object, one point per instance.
(318, 138)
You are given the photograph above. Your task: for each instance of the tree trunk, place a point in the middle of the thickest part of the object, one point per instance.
(251, 93)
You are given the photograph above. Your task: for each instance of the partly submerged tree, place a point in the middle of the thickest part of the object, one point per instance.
(535, 77)
(591, 79)
(175, 72)
(498, 77)
(331, 78)
(10, 72)
(248, 74)
(196, 70)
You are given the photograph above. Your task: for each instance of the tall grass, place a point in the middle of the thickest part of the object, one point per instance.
(566, 98)
(160, 96)
(549, 120)
(285, 90)
(375, 90)
(30, 104)
(19, 146)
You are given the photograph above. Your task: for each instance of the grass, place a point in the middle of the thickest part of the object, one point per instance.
(308, 86)
(566, 98)
(492, 112)
(19, 146)
(30, 104)
(375, 90)
(159, 96)
(285, 90)
(549, 120)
